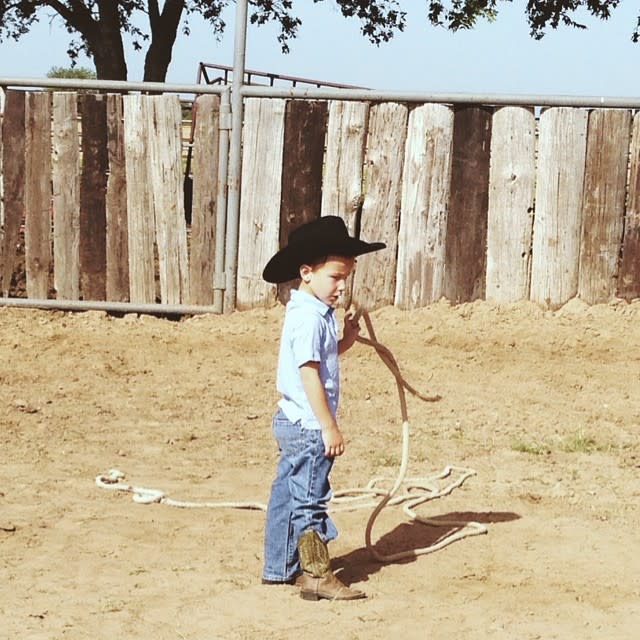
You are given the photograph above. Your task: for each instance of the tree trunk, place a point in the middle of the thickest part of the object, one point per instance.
(164, 29)
(110, 62)
(108, 51)
(101, 35)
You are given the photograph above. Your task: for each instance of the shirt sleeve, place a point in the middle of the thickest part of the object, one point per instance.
(307, 340)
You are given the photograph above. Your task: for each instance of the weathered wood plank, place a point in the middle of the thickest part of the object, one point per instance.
(205, 191)
(511, 204)
(116, 205)
(342, 192)
(141, 231)
(261, 187)
(558, 215)
(38, 194)
(93, 189)
(13, 162)
(629, 276)
(466, 237)
(425, 196)
(304, 135)
(374, 278)
(342, 188)
(603, 203)
(165, 145)
(66, 196)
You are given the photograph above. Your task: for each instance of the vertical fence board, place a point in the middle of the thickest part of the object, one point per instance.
(116, 204)
(66, 195)
(165, 145)
(558, 215)
(466, 236)
(346, 139)
(511, 198)
(263, 139)
(13, 162)
(205, 190)
(603, 203)
(303, 155)
(142, 286)
(629, 276)
(425, 195)
(374, 278)
(38, 194)
(342, 188)
(93, 189)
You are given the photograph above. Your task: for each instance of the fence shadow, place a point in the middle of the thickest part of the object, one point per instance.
(358, 565)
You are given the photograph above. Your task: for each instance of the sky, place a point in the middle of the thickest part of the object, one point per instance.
(498, 57)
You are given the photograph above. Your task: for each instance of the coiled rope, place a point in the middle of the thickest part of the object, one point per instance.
(415, 491)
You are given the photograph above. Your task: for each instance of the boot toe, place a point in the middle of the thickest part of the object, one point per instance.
(327, 587)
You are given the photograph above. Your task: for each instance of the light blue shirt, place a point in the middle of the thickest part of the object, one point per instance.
(309, 334)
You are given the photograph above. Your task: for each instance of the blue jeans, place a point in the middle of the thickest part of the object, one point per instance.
(299, 497)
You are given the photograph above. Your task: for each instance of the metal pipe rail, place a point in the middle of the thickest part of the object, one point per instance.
(333, 93)
(108, 307)
(446, 98)
(272, 77)
(109, 85)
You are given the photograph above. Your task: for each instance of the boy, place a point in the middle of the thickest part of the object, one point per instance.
(322, 254)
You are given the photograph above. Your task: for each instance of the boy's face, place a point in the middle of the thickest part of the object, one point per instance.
(327, 280)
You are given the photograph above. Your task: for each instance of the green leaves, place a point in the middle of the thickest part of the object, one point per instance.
(99, 32)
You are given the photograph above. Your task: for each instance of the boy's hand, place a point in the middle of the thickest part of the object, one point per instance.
(312, 385)
(349, 333)
(333, 441)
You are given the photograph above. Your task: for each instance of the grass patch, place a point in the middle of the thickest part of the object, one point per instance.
(577, 442)
(581, 442)
(532, 448)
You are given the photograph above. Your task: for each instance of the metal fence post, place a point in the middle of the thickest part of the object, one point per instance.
(219, 276)
(235, 156)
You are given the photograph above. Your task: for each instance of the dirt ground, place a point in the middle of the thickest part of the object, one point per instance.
(544, 406)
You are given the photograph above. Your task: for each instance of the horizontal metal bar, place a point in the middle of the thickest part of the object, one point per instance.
(448, 98)
(276, 76)
(109, 85)
(109, 307)
(331, 93)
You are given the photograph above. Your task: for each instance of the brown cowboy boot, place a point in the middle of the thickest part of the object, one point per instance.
(317, 580)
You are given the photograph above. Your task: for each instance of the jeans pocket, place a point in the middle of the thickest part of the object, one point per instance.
(288, 435)
(313, 440)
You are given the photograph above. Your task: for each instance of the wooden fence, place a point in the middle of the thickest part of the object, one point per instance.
(472, 201)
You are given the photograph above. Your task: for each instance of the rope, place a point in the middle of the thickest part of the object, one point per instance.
(415, 491)
(113, 479)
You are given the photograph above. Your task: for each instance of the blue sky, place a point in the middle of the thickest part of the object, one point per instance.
(497, 57)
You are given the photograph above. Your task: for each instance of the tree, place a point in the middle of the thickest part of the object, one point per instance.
(81, 73)
(97, 27)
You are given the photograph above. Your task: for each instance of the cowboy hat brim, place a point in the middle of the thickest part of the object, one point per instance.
(285, 265)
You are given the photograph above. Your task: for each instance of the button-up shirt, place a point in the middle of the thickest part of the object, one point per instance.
(309, 334)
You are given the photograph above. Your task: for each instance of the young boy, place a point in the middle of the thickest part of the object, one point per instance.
(298, 527)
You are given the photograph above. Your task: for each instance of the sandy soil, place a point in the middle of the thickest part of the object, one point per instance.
(544, 406)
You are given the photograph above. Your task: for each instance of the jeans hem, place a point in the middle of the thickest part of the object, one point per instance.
(273, 578)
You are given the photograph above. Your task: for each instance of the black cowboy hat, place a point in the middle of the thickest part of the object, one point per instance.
(326, 236)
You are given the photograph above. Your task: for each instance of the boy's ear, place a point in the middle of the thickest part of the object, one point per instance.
(305, 272)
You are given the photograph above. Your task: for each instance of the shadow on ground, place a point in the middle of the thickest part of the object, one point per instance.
(359, 564)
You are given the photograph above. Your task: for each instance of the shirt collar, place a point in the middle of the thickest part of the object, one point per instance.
(304, 299)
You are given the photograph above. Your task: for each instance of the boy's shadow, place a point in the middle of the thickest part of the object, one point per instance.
(358, 565)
